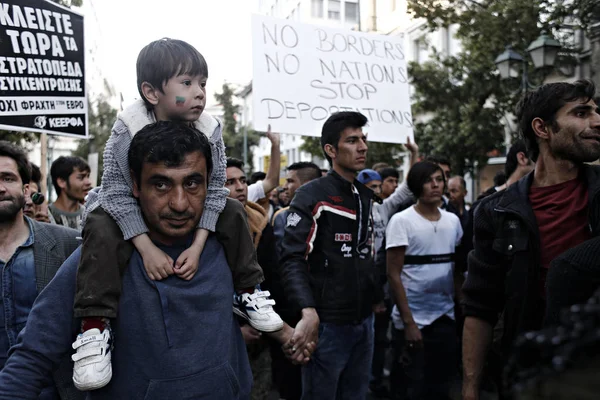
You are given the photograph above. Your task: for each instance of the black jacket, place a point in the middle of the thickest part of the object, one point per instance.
(504, 267)
(327, 259)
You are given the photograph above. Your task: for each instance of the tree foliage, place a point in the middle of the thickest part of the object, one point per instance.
(232, 134)
(463, 99)
(101, 117)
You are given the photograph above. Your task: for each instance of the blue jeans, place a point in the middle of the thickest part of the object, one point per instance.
(340, 367)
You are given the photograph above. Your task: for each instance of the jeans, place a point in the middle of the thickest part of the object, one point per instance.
(427, 372)
(340, 367)
(382, 343)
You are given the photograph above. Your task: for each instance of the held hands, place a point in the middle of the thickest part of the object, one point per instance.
(187, 263)
(379, 308)
(157, 263)
(304, 340)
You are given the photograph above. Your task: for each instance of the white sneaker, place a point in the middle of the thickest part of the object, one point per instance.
(92, 369)
(257, 308)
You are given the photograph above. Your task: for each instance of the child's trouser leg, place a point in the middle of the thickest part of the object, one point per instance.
(104, 257)
(234, 235)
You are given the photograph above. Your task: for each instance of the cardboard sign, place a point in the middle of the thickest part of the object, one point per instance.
(42, 71)
(304, 73)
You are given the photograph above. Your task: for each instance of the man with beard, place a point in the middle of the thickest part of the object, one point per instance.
(30, 254)
(71, 180)
(521, 230)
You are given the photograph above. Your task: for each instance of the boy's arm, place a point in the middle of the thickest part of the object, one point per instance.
(391, 204)
(271, 181)
(41, 346)
(217, 193)
(116, 196)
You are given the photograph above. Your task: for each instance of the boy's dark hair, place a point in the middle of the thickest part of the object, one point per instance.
(387, 172)
(63, 167)
(419, 174)
(544, 103)
(7, 149)
(167, 142)
(307, 171)
(257, 176)
(512, 162)
(235, 162)
(36, 174)
(163, 59)
(336, 124)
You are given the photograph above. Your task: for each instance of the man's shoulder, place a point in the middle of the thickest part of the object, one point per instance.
(280, 214)
(62, 235)
(404, 215)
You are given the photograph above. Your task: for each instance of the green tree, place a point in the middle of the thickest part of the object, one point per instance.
(101, 117)
(232, 136)
(462, 97)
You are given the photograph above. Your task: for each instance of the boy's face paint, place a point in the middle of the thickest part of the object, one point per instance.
(189, 93)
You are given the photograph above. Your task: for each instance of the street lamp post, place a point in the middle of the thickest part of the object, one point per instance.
(543, 52)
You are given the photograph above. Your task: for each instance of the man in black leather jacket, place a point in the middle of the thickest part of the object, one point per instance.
(327, 266)
(520, 231)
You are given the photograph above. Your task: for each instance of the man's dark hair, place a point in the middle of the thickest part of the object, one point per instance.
(167, 142)
(165, 58)
(235, 162)
(462, 181)
(439, 160)
(306, 171)
(63, 167)
(387, 172)
(512, 162)
(544, 103)
(336, 124)
(419, 174)
(257, 176)
(36, 174)
(380, 166)
(7, 149)
(499, 178)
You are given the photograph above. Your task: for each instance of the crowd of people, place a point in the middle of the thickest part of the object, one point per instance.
(182, 277)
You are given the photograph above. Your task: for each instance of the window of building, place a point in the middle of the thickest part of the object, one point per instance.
(351, 11)
(421, 49)
(334, 8)
(317, 8)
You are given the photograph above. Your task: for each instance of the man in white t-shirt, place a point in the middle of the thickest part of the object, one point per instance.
(421, 242)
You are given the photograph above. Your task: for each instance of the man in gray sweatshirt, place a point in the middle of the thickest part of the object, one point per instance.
(196, 349)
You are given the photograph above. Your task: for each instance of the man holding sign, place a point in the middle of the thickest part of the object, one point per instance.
(327, 266)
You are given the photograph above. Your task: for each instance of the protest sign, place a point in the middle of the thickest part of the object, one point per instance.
(42, 71)
(304, 73)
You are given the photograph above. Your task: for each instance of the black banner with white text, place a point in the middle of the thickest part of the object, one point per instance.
(42, 69)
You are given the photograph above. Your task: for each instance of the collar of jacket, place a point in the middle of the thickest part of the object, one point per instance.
(362, 189)
(515, 198)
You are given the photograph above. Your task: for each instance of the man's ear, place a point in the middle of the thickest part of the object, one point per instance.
(136, 189)
(62, 184)
(540, 128)
(150, 93)
(330, 151)
(522, 159)
(25, 188)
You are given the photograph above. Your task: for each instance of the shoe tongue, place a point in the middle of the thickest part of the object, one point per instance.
(91, 332)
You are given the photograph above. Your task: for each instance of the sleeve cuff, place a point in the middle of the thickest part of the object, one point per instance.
(209, 220)
(133, 228)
